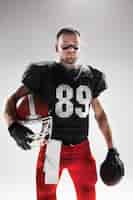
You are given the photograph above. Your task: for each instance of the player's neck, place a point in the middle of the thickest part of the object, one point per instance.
(69, 66)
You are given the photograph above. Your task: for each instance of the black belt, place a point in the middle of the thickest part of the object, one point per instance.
(74, 141)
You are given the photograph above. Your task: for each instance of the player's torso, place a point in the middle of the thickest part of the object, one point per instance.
(70, 97)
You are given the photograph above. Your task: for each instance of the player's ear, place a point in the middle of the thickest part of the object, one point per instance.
(56, 47)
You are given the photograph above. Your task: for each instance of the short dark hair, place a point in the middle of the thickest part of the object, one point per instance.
(65, 31)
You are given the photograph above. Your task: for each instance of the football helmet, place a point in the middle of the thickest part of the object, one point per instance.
(32, 112)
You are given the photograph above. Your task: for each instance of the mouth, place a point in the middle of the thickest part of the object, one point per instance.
(70, 61)
(71, 56)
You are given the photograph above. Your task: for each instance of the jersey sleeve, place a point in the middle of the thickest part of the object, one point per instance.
(32, 78)
(99, 83)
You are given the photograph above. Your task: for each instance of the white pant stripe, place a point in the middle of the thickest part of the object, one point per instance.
(52, 161)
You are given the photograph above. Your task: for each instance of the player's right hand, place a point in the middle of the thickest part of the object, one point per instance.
(21, 134)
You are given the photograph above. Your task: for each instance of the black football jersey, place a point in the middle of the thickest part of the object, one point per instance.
(68, 94)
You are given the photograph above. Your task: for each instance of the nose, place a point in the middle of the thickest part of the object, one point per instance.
(71, 49)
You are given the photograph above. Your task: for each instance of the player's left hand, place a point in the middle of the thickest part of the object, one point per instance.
(112, 154)
(112, 168)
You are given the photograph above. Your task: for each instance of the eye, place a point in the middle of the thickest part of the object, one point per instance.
(76, 48)
(65, 47)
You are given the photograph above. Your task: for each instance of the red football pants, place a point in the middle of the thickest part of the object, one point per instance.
(80, 163)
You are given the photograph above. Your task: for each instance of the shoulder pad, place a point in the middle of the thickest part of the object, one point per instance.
(95, 72)
(86, 69)
(43, 63)
(93, 69)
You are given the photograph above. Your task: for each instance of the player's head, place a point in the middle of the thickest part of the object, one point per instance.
(68, 45)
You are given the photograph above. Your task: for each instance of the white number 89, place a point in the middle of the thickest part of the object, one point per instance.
(64, 107)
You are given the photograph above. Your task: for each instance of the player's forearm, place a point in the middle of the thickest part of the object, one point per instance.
(105, 129)
(9, 113)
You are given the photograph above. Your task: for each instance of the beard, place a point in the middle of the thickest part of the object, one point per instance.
(69, 63)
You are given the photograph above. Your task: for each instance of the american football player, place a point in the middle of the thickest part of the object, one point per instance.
(68, 89)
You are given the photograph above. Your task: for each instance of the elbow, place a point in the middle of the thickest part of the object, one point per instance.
(9, 108)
